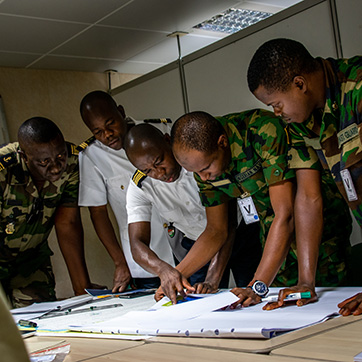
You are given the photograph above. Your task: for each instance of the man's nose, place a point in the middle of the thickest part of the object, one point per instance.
(55, 167)
(277, 112)
(204, 176)
(108, 133)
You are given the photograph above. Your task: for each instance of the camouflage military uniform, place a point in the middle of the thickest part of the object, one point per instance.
(259, 159)
(335, 133)
(27, 218)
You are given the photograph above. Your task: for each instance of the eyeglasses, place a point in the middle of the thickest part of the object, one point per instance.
(36, 211)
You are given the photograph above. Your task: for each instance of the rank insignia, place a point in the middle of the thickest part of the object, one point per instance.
(10, 228)
(171, 230)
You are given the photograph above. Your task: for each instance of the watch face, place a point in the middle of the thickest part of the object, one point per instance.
(260, 288)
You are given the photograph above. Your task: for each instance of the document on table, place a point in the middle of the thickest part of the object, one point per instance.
(201, 317)
(36, 310)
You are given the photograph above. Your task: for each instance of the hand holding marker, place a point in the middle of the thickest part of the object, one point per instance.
(289, 297)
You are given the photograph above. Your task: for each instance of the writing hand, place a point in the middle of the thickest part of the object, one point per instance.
(283, 293)
(173, 283)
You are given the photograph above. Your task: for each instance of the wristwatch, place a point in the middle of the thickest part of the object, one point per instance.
(260, 288)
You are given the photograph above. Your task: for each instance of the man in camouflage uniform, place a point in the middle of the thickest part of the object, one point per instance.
(250, 160)
(39, 188)
(324, 98)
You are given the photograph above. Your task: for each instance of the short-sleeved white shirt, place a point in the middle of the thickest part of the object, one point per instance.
(104, 177)
(177, 202)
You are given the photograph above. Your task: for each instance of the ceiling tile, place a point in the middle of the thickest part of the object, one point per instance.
(108, 42)
(130, 67)
(164, 52)
(16, 60)
(72, 63)
(87, 11)
(34, 36)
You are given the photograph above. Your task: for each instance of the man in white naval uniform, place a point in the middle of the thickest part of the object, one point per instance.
(105, 173)
(162, 184)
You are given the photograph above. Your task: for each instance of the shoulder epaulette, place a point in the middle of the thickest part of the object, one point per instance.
(85, 144)
(157, 120)
(138, 177)
(7, 160)
(72, 149)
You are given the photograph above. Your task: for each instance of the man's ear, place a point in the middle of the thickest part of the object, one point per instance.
(300, 82)
(223, 142)
(22, 155)
(121, 110)
(167, 138)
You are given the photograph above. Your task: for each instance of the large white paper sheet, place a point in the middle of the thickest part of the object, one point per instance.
(251, 322)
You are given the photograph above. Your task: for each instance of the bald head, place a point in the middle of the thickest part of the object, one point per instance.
(149, 150)
(37, 130)
(43, 149)
(140, 139)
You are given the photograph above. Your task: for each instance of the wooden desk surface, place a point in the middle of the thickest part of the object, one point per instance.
(160, 352)
(335, 340)
(339, 344)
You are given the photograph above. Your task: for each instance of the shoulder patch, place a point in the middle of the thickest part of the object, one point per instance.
(85, 144)
(138, 177)
(7, 160)
(157, 120)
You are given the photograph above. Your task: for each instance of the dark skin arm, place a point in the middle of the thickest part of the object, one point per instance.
(69, 230)
(209, 242)
(105, 231)
(308, 211)
(172, 281)
(219, 261)
(277, 244)
(207, 245)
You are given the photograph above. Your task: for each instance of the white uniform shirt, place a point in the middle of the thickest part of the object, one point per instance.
(104, 177)
(177, 202)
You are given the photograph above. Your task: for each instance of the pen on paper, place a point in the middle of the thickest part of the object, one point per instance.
(289, 297)
(76, 311)
(26, 323)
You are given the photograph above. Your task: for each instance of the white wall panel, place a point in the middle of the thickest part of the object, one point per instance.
(155, 98)
(216, 82)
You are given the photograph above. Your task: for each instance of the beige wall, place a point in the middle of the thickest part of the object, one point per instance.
(56, 95)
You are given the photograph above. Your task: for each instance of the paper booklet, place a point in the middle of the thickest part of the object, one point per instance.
(202, 317)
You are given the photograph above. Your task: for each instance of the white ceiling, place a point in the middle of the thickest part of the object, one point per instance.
(129, 36)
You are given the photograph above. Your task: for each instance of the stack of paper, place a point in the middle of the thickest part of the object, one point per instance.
(200, 318)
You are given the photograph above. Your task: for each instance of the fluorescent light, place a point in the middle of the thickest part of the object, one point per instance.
(232, 20)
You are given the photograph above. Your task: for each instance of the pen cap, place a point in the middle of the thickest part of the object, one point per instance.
(305, 295)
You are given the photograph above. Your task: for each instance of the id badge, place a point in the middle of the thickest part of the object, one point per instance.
(348, 185)
(248, 210)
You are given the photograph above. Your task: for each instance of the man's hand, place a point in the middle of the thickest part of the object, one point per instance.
(351, 305)
(246, 297)
(296, 289)
(205, 288)
(121, 278)
(173, 282)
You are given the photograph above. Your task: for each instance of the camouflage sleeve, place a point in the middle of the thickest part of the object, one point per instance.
(209, 194)
(71, 187)
(302, 151)
(270, 143)
(351, 102)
